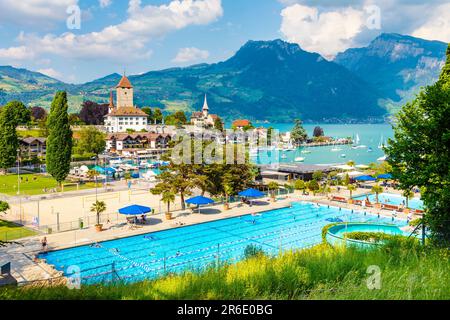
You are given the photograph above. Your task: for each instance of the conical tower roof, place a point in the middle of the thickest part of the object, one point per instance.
(205, 104)
(124, 83)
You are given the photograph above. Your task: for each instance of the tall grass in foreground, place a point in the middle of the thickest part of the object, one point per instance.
(408, 271)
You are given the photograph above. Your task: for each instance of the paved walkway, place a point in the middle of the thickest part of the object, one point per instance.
(26, 269)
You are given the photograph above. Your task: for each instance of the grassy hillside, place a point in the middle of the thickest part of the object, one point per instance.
(408, 271)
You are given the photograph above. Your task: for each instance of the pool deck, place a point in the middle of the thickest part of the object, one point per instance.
(26, 269)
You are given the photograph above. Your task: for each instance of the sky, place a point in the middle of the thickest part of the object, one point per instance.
(77, 41)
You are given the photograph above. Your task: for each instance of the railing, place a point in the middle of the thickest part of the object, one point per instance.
(113, 219)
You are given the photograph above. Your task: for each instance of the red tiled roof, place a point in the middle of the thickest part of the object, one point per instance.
(124, 83)
(197, 115)
(128, 111)
(241, 123)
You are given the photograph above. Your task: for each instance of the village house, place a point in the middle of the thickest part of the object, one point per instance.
(124, 142)
(32, 147)
(241, 124)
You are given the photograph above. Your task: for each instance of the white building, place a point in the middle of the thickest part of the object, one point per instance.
(204, 119)
(124, 115)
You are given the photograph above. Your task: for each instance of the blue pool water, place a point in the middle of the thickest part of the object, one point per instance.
(341, 230)
(196, 247)
(394, 199)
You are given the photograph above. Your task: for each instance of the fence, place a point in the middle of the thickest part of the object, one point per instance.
(126, 270)
(114, 218)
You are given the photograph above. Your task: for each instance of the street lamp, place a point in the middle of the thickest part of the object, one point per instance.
(18, 183)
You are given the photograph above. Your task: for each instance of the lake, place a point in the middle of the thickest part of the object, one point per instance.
(370, 135)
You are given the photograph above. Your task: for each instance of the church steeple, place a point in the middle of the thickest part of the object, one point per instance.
(111, 102)
(205, 107)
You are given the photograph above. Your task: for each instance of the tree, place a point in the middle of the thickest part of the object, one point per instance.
(313, 186)
(59, 141)
(149, 113)
(167, 194)
(93, 113)
(4, 206)
(351, 188)
(318, 175)
(420, 152)
(9, 143)
(298, 133)
(74, 120)
(98, 208)
(92, 174)
(318, 132)
(273, 186)
(157, 116)
(346, 180)
(408, 194)
(377, 189)
(168, 197)
(270, 133)
(21, 113)
(218, 124)
(299, 185)
(38, 113)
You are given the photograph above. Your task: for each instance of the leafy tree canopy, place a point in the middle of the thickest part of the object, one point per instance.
(420, 152)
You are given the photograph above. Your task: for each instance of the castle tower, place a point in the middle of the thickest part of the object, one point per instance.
(205, 108)
(124, 93)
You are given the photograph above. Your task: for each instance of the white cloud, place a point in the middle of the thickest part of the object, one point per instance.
(329, 26)
(16, 53)
(190, 55)
(438, 27)
(38, 13)
(327, 32)
(104, 3)
(50, 72)
(127, 40)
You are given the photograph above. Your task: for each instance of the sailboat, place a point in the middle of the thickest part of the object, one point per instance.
(382, 143)
(357, 141)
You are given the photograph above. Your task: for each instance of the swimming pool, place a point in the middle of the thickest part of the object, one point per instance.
(199, 246)
(394, 199)
(336, 234)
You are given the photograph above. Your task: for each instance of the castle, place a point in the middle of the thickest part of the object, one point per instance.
(124, 115)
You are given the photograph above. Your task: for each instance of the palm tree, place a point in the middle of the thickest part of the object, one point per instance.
(408, 194)
(351, 188)
(377, 189)
(98, 208)
(168, 197)
(92, 175)
(228, 190)
(272, 187)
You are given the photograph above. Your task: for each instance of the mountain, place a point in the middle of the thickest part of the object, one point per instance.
(397, 65)
(266, 80)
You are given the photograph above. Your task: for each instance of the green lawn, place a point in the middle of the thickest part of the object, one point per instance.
(33, 184)
(29, 133)
(10, 231)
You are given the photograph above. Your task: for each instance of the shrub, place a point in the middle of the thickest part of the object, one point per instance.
(252, 251)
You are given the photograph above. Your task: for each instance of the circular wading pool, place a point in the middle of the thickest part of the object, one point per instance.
(336, 234)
